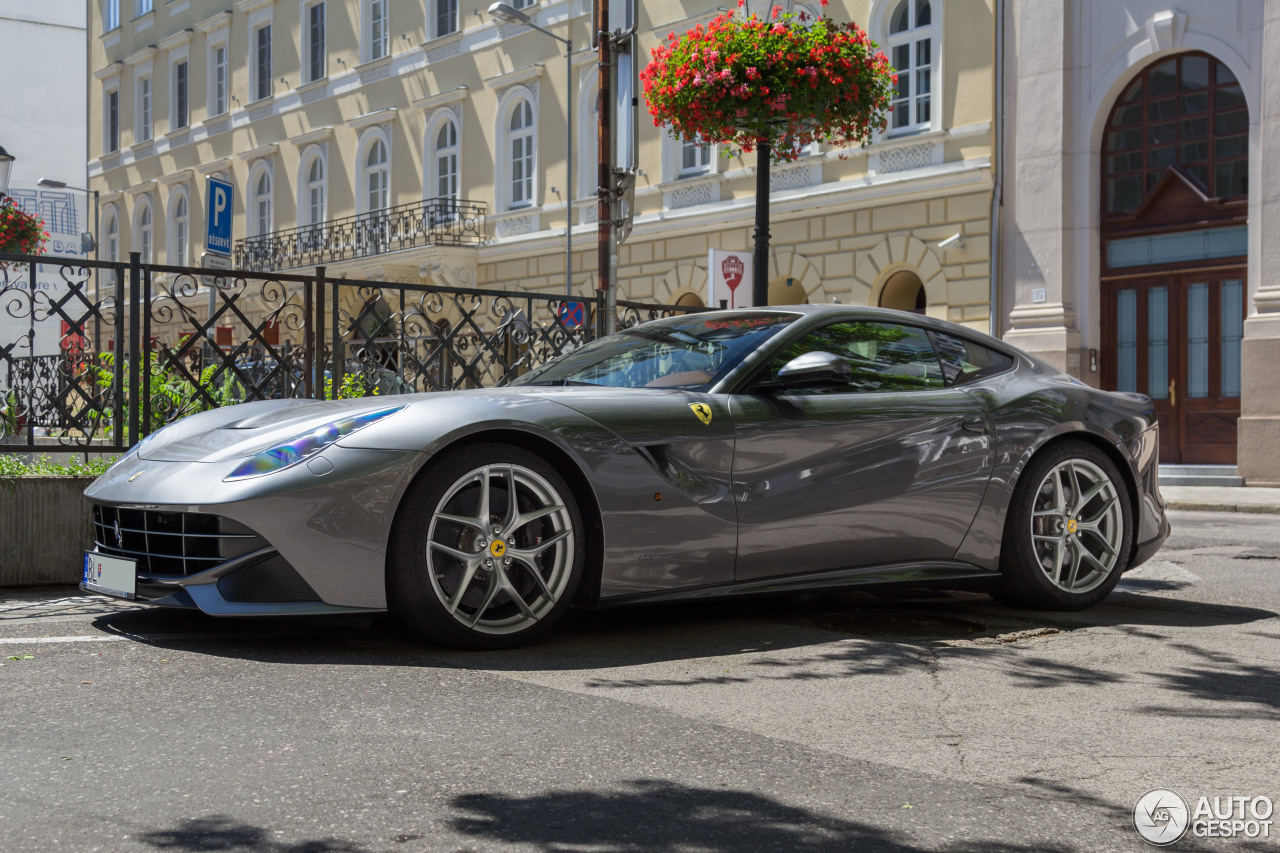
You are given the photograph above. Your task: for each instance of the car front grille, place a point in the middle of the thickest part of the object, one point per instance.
(170, 544)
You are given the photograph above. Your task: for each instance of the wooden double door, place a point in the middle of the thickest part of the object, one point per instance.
(1175, 336)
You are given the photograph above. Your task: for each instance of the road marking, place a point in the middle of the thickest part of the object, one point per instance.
(33, 641)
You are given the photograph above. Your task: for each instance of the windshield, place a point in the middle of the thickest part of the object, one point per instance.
(689, 352)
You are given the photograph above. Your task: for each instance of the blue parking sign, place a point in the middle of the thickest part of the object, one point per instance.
(572, 314)
(218, 216)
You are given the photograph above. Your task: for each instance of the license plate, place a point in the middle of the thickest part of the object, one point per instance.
(110, 575)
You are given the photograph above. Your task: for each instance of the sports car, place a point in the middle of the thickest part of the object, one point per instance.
(711, 454)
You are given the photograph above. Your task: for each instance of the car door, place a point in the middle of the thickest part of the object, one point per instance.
(889, 468)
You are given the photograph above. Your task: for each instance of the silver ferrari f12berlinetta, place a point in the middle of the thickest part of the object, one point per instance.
(711, 454)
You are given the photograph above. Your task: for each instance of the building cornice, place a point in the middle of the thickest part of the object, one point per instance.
(176, 40)
(140, 56)
(217, 22)
(181, 176)
(441, 99)
(140, 189)
(219, 165)
(258, 153)
(252, 5)
(112, 70)
(320, 134)
(527, 74)
(382, 116)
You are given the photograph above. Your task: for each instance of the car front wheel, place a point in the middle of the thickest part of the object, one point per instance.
(1068, 532)
(488, 549)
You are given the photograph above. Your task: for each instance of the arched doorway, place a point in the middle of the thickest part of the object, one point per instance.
(904, 291)
(689, 299)
(1173, 227)
(787, 291)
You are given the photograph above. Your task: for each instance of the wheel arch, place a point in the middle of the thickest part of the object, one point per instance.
(1122, 463)
(593, 560)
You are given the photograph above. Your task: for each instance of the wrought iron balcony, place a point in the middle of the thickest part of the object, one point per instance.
(431, 222)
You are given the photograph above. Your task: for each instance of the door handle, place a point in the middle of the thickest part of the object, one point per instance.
(1173, 393)
(974, 425)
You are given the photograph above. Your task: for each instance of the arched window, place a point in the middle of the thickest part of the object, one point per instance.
(314, 188)
(1187, 113)
(376, 176)
(912, 43)
(178, 230)
(446, 161)
(260, 203)
(142, 229)
(111, 228)
(520, 145)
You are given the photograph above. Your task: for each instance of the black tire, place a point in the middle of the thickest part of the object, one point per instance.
(1046, 537)
(457, 590)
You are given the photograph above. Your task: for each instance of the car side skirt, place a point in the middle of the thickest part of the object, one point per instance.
(894, 573)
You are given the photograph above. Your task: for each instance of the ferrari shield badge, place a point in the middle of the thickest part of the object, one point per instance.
(703, 411)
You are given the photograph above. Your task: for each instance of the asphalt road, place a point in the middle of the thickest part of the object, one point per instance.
(926, 721)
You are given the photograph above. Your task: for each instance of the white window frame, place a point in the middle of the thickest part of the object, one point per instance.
(110, 15)
(911, 37)
(253, 212)
(111, 232)
(435, 8)
(178, 228)
(375, 45)
(178, 58)
(431, 190)
(523, 4)
(702, 155)
(371, 136)
(110, 142)
(261, 79)
(504, 163)
(142, 7)
(144, 106)
(313, 154)
(306, 46)
(217, 32)
(144, 232)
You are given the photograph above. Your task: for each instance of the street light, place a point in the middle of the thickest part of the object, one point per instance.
(512, 15)
(6, 166)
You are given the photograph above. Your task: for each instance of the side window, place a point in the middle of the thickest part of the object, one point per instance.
(883, 356)
(964, 361)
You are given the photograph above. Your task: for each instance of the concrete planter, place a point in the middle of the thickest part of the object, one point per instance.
(45, 527)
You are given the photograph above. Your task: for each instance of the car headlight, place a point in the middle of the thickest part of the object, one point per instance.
(303, 447)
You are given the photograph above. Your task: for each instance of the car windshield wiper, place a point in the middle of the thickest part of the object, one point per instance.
(553, 382)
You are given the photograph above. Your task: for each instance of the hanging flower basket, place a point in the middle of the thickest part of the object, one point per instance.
(791, 80)
(20, 232)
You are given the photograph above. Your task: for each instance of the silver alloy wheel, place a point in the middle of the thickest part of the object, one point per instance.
(1077, 526)
(499, 565)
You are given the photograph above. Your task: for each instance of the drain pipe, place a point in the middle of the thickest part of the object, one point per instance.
(997, 191)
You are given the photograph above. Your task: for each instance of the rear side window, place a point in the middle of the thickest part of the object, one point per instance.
(964, 361)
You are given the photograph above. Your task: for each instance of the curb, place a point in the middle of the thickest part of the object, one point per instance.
(1197, 506)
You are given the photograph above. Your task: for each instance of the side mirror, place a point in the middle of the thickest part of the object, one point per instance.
(812, 370)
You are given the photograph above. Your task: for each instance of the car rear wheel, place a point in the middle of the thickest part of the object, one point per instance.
(1068, 532)
(487, 550)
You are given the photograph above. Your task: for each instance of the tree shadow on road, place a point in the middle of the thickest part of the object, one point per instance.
(659, 816)
(219, 832)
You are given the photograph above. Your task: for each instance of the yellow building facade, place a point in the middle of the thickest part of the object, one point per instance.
(329, 115)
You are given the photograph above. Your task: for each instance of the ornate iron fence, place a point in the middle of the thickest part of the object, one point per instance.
(98, 355)
(431, 222)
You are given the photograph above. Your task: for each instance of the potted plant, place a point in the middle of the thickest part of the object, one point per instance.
(786, 81)
(20, 232)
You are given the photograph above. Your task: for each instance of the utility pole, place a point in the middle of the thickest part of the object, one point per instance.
(604, 173)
